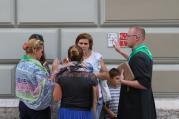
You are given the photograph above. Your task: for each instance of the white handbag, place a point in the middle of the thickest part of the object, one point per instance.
(105, 90)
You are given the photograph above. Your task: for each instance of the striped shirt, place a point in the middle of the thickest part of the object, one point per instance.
(114, 102)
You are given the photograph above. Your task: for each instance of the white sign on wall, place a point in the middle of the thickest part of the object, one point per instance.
(111, 37)
(120, 38)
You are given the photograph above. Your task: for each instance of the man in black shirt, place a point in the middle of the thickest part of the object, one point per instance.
(136, 97)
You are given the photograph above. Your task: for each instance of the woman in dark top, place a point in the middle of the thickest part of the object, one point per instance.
(75, 88)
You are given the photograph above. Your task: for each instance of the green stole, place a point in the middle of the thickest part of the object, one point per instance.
(141, 48)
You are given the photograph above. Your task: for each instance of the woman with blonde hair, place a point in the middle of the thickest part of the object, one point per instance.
(34, 84)
(43, 59)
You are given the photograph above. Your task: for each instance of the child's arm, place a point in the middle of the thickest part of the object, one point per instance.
(111, 114)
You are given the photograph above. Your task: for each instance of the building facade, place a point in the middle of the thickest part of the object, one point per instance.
(60, 21)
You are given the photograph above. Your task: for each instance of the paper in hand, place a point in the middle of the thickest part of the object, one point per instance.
(128, 74)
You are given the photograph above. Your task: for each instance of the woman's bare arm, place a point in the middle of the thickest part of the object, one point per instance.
(57, 93)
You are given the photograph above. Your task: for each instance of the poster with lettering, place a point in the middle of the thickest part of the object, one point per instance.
(123, 39)
(111, 38)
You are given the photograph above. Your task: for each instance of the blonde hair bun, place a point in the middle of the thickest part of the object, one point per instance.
(32, 44)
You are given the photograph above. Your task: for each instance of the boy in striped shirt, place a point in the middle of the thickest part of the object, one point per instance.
(111, 107)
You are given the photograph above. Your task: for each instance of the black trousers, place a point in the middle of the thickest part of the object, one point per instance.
(27, 113)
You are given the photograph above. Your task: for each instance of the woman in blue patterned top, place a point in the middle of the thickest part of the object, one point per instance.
(34, 84)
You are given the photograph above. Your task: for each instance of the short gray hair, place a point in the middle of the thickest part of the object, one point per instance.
(140, 31)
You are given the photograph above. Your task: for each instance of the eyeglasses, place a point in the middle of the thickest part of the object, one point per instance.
(133, 35)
